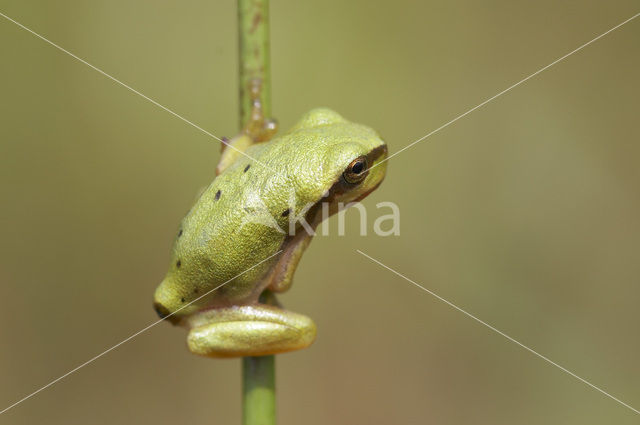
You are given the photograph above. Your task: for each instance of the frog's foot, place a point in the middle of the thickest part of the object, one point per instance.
(253, 330)
(258, 129)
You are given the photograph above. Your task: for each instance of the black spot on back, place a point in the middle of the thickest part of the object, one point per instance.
(247, 168)
(180, 233)
(182, 299)
(286, 212)
(218, 193)
(178, 263)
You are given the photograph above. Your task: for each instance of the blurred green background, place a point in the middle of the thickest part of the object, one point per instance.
(525, 213)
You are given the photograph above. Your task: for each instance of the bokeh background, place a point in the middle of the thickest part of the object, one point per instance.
(525, 213)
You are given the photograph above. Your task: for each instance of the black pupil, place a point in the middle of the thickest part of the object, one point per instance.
(358, 167)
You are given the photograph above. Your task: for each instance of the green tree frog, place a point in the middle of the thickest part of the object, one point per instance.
(248, 230)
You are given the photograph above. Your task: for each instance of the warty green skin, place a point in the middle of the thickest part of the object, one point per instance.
(219, 239)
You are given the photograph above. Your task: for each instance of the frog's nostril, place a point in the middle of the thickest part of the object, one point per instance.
(161, 310)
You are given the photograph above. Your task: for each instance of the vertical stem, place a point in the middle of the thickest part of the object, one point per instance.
(258, 390)
(253, 25)
(258, 373)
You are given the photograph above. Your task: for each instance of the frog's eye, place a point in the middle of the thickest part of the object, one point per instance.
(356, 171)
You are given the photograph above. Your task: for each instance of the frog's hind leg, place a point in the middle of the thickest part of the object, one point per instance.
(253, 330)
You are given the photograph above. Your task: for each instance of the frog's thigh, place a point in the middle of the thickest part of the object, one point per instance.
(251, 331)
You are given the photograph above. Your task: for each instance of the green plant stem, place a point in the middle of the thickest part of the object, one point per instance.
(258, 373)
(253, 26)
(258, 390)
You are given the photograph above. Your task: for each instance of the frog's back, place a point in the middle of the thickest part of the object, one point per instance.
(232, 233)
(220, 238)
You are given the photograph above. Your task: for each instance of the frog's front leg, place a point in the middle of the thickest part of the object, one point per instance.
(293, 248)
(259, 129)
(252, 330)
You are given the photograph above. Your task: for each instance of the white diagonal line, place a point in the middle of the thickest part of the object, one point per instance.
(406, 147)
(509, 88)
(131, 337)
(500, 332)
(95, 68)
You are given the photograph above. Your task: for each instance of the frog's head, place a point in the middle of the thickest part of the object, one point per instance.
(362, 175)
(339, 160)
(323, 159)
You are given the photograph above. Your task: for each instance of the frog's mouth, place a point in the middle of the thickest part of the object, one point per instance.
(189, 318)
(365, 194)
(379, 153)
(340, 187)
